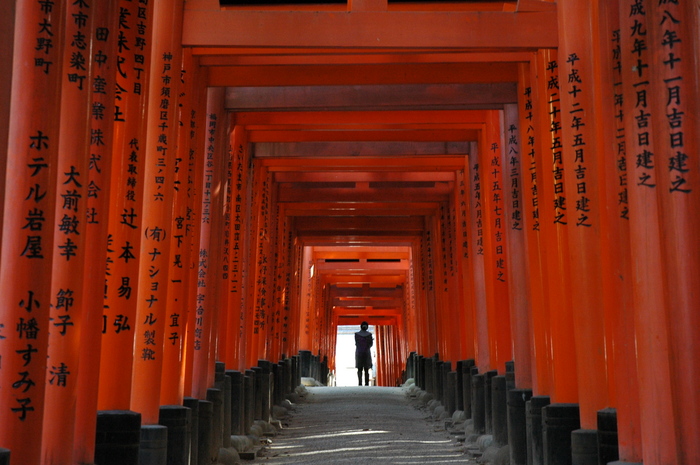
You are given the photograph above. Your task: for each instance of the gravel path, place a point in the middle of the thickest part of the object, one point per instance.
(360, 425)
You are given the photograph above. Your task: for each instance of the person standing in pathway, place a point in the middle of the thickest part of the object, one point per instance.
(363, 355)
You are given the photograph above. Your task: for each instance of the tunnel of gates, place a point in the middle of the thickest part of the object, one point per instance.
(513, 183)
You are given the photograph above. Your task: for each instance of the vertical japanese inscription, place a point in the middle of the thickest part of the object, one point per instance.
(673, 58)
(556, 147)
(478, 210)
(576, 88)
(619, 113)
(534, 207)
(495, 175)
(638, 55)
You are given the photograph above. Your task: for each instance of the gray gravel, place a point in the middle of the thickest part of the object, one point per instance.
(361, 425)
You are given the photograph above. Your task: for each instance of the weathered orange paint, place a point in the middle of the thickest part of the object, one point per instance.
(158, 227)
(496, 262)
(177, 310)
(553, 223)
(616, 258)
(97, 206)
(584, 179)
(658, 443)
(125, 215)
(673, 65)
(204, 339)
(66, 296)
(464, 249)
(237, 241)
(473, 173)
(197, 161)
(533, 177)
(513, 173)
(28, 234)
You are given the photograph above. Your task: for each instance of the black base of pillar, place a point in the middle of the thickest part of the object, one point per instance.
(237, 402)
(533, 416)
(488, 401)
(450, 394)
(216, 397)
(4, 456)
(154, 445)
(478, 408)
(584, 447)
(499, 410)
(178, 420)
(118, 437)
(204, 434)
(517, 425)
(193, 404)
(558, 422)
(608, 449)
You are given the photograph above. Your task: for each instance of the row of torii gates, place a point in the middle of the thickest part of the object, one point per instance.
(195, 182)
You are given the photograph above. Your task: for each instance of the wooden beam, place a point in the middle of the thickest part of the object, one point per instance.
(397, 223)
(323, 176)
(405, 29)
(437, 194)
(263, 118)
(359, 149)
(423, 135)
(364, 208)
(430, 163)
(361, 74)
(536, 5)
(366, 302)
(372, 97)
(246, 56)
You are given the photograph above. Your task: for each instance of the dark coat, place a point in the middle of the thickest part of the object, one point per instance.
(363, 355)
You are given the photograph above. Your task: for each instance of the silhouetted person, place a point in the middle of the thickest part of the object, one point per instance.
(363, 355)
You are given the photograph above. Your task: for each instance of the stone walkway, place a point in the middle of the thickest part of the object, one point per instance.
(361, 425)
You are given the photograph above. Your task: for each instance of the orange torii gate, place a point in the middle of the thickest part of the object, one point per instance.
(538, 171)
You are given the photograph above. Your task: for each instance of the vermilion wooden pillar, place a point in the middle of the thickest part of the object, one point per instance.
(464, 250)
(443, 310)
(207, 275)
(512, 161)
(430, 322)
(419, 287)
(274, 281)
(585, 178)
(27, 236)
(481, 325)
(496, 258)
(159, 227)
(414, 340)
(256, 323)
(454, 283)
(196, 164)
(7, 37)
(555, 216)
(67, 305)
(617, 273)
(104, 47)
(306, 317)
(172, 391)
(673, 65)
(297, 311)
(658, 436)
(126, 196)
(237, 247)
(286, 271)
(532, 181)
